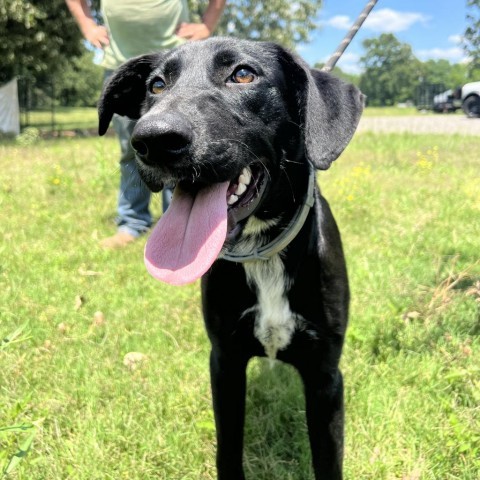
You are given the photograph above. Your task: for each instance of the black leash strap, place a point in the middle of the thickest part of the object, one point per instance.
(349, 37)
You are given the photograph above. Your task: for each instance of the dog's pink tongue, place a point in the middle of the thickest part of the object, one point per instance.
(189, 236)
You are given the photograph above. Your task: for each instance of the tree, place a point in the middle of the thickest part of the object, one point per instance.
(391, 71)
(38, 36)
(472, 37)
(443, 72)
(80, 82)
(281, 21)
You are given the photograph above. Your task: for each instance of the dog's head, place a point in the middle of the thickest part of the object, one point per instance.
(220, 118)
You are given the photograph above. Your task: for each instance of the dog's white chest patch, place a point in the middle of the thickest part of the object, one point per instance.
(274, 321)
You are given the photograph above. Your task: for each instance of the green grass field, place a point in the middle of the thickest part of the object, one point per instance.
(408, 207)
(64, 118)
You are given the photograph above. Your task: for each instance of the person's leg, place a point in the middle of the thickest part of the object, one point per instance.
(134, 216)
(134, 197)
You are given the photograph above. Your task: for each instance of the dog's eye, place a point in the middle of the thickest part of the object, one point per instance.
(243, 75)
(158, 86)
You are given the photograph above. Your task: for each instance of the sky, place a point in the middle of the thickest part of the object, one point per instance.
(432, 27)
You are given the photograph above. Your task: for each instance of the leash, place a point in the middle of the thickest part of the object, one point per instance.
(328, 67)
(287, 235)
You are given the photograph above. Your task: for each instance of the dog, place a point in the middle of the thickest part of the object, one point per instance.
(240, 127)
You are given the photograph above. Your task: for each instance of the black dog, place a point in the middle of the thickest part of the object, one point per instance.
(239, 127)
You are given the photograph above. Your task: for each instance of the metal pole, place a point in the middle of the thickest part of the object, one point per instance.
(349, 37)
(28, 101)
(53, 104)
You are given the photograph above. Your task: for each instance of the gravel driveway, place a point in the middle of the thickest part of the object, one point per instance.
(441, 123)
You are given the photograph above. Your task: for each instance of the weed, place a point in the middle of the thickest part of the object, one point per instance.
(29, 136)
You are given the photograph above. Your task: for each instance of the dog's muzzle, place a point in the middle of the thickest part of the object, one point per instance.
(163, 138)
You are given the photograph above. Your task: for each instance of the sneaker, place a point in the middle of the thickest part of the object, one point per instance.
(119, 240)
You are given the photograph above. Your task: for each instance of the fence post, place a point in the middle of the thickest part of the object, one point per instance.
(53, 105)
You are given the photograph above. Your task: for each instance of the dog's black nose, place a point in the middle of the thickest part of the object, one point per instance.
(162, 139)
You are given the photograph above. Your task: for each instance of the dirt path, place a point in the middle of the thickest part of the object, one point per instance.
(422, 124)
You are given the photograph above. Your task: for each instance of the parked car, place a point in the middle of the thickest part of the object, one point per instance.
(471, 99)
(447, 101)
(466, 98)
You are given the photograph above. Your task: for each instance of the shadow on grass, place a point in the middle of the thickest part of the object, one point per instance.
(276, 439)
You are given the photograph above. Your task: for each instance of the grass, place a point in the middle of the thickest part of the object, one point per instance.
(408, 208)
(400, 112)
(64, 118)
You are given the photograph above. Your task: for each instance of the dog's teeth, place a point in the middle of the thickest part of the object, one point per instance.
(240, 189)
(243, 181)
(232, 199)
(245, 177)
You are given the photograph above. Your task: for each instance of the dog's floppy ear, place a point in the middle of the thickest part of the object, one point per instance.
(327, 108)
(125, 90)
(332, 111)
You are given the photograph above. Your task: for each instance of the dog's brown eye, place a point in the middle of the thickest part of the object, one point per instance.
(243, 75)
(158, 86)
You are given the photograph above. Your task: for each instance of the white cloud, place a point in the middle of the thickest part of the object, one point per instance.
(341, 22)
(456, 39)
(453, 54)
(384, 20)
(387, 20)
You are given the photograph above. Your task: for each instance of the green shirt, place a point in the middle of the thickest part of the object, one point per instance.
(137, 27)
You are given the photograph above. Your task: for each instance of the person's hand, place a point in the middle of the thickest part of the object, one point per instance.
(97, 35)
(193, 31)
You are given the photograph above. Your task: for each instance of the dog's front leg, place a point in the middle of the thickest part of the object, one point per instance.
(325, 412)
(228, 377)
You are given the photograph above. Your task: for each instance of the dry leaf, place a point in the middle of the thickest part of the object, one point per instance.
(466, 350)
(415, 475)
(411, 316)
(98, 319)
(133, 360)
(79, 300)
(88, 273)
(62, 327)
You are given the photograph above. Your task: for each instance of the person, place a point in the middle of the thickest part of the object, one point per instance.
(132, 28)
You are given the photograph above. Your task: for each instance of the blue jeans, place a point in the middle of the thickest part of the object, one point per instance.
(134, 215)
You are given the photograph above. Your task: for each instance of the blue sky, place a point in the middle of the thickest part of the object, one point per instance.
(432, 27)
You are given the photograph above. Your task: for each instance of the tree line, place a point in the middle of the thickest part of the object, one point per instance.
(41, 44)
(392, 74)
